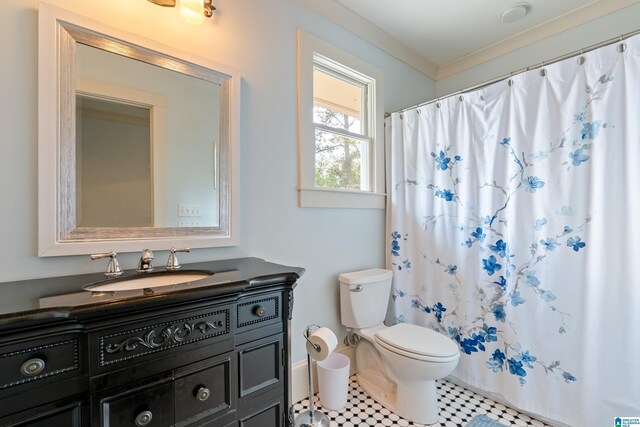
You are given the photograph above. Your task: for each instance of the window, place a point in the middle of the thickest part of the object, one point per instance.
(340, 128)
(340, 116)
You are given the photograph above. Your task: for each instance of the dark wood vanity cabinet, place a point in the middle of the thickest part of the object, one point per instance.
(261, 354)
(191, 396)
(42, 378)
(193, 360)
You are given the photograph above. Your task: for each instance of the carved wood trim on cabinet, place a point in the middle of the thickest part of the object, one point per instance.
(131, 344)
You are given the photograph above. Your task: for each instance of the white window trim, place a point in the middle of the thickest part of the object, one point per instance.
(309, 195)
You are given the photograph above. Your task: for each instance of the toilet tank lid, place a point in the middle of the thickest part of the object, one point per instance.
(365, 276)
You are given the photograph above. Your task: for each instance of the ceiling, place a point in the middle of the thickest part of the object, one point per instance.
(448, 36)
(444, 30)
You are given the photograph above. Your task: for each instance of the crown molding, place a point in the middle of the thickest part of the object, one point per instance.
(532, 35)
(364, 29)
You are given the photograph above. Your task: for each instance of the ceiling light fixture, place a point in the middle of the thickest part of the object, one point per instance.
(192, 11)
(515, 13)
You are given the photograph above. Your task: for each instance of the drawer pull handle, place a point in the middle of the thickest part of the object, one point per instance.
(203, 394)
(144, 418)
(260, 311)
(32, 367)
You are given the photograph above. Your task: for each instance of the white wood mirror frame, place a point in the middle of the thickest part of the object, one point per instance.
(59, 32)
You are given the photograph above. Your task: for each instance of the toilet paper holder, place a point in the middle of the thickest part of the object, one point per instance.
(312, 417)
(306, 334)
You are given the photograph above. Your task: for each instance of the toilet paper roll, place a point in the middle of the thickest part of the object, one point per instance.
(325, 340)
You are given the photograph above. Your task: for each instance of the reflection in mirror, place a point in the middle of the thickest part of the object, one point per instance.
(138, 143)
(181, 152)
(113, 164)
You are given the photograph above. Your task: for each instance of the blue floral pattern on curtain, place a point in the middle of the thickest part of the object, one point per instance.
(485, 222)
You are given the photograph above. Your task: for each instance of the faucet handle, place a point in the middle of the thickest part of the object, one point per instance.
(113, 268)
(172, 262)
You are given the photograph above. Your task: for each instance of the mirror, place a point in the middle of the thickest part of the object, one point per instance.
(146, 144)
(138, 143)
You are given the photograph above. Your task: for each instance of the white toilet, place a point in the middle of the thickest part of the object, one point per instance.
(397, 365)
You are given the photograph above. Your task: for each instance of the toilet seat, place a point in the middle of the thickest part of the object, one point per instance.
(418, 343)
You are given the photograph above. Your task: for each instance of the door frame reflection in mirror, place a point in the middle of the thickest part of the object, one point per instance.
(59, 33)
(156, 104)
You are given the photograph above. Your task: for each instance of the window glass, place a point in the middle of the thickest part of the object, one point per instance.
(341, 143)
(338, 102)
(340, 161)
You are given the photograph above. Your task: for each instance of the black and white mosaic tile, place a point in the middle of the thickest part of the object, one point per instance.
(457, 406)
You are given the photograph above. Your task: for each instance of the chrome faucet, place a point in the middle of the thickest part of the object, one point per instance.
(145, 265)
(172, 262)
(113, 268)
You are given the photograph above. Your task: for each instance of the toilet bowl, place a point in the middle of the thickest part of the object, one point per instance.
(397, 365)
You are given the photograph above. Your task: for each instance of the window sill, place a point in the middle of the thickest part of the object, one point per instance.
(335, 198)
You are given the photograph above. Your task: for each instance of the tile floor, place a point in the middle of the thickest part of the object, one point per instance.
(457, 407)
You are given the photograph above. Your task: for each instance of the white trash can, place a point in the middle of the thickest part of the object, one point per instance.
(333, 381)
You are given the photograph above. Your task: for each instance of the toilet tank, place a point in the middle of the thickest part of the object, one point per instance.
(364, 296)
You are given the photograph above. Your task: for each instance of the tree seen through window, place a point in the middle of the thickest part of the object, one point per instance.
(338, 157)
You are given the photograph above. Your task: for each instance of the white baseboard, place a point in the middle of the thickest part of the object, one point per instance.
(299, 381)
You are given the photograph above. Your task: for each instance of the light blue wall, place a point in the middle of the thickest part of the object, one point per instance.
(259, 40)
(596, 31)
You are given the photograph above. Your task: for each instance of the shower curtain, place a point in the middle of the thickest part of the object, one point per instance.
(513, 227)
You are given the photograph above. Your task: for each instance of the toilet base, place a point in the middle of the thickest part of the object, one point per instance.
(378, 388)
(415, 401)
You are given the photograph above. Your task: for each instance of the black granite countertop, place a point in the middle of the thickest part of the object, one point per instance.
(230, 277)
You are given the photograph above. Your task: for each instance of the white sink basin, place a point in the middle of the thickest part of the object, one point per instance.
(153, 280)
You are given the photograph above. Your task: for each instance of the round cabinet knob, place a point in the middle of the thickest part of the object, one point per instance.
(260, 311)
(203, 394)
(144, 418)
(32, 367)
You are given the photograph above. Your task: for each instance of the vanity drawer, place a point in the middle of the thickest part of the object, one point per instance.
(266, 410)
(259, 311)
(51, 415)
(260, 365)
(151, 405)
(42, 362)
(161, 335)
(205, 392)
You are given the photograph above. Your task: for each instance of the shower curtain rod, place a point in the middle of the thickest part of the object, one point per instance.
(522, 70)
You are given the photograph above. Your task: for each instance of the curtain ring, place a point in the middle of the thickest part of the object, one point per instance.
(622, 46)
(581, 60)
(438, 104)
(510, 82)
(461, 98)
(401, 116)
(418, 111)
(543, 71)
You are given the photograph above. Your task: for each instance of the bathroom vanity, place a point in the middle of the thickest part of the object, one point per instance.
(213, 352)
